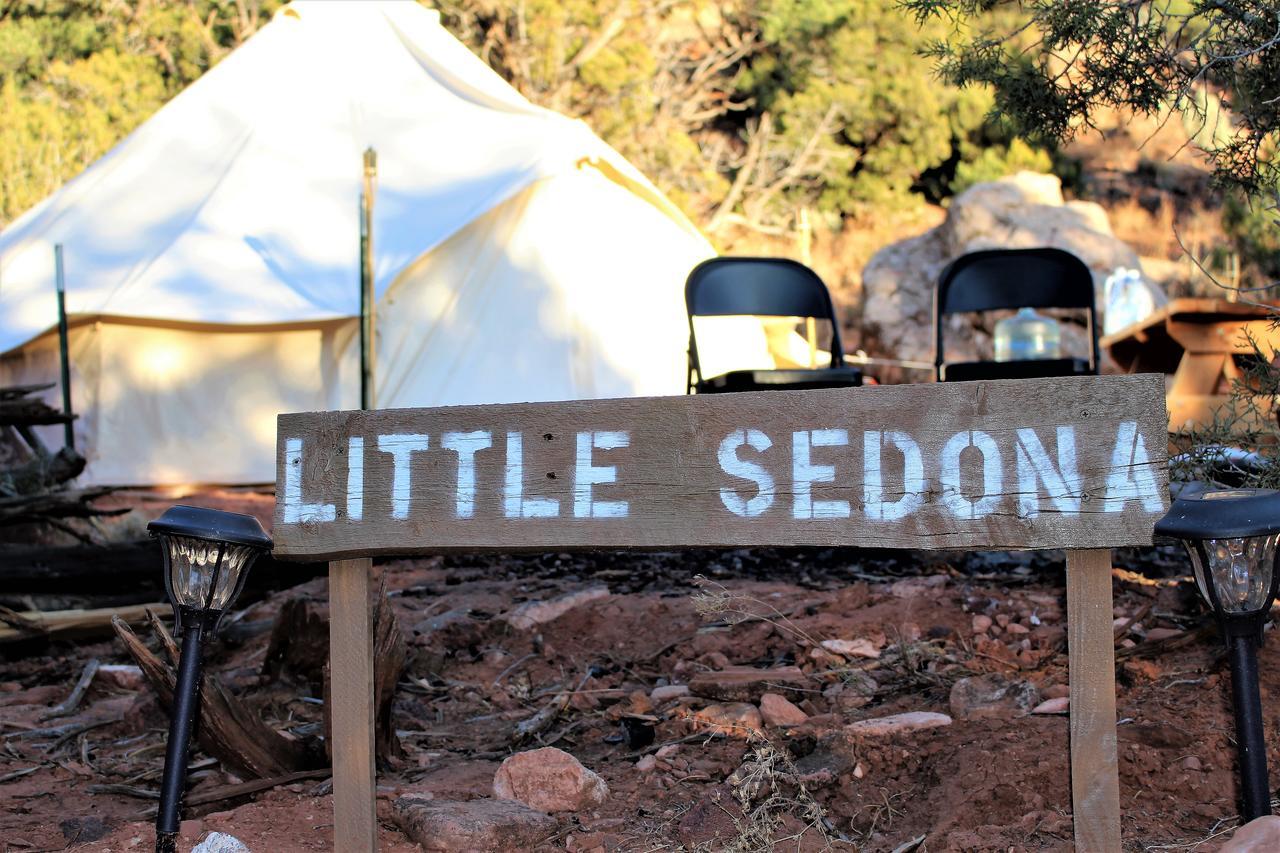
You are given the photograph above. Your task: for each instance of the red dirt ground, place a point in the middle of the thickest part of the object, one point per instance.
(995, 783)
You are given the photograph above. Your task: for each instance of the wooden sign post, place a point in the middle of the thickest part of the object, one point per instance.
(1075, 463)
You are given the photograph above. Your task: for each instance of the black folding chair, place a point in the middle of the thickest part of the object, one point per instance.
(1014, 278)
(763, 287)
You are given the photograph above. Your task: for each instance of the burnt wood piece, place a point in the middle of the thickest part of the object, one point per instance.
(390, 654)
(28, 411)
(36, 476)
(51, 506)
(13, 392)
(299, 644)
(228, 729)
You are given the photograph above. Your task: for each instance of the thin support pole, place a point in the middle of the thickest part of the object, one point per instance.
(352, 712)
(368, 311)
(1095, 776)
(1251, 747)
(64, 356)
(182, 725)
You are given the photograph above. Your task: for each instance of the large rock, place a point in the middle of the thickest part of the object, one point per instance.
(1257, 836)
(445, 826)
(1020, 211)
(549, 779)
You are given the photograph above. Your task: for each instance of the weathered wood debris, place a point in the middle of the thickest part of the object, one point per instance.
(33, 479)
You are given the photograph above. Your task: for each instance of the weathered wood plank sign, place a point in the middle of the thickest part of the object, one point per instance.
(1064, 463)
(1076, 463)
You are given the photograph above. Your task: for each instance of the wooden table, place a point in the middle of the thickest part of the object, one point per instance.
(1195, 343)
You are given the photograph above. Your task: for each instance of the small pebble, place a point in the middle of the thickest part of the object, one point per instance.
(671, 691)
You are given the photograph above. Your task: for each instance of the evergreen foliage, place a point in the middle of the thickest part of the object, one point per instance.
(1142, 56)
(76, 76)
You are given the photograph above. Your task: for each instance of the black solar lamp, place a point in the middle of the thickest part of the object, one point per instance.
(1230, 535)
(207, 555)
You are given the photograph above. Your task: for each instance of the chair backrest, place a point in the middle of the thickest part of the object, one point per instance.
(994, 279)
(767, 287)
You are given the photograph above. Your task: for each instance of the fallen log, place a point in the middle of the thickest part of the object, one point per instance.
(53, 506)
(66, 624)
(227, 729)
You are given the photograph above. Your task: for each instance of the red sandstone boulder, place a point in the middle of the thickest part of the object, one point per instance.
(549, 779)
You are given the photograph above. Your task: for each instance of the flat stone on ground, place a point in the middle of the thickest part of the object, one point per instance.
(859, 648)
(446, 826)
(745, 684)
(1059, 705)
(667, 692)
(909, 722)
(533, 613)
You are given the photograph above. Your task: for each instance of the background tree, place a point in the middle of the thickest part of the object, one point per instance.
(1054, 66)
(1214, 62)
(1065, 61)
(77, 75)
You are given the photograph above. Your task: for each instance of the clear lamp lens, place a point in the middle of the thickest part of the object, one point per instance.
(1239, 569)
(191, 568)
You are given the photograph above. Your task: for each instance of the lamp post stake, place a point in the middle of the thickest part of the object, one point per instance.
(1250, 745)
(207, 554)
(182, 724)
(1231, 536)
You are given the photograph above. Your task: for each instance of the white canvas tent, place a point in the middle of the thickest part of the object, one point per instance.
(212, 257)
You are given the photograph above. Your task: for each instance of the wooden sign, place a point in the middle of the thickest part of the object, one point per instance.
(1077, 462)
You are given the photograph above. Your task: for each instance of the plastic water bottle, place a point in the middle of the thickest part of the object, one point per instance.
(1128, 300)
(1027, 335)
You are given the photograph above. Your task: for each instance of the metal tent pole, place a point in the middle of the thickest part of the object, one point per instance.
(69, 437)
(368, 317)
